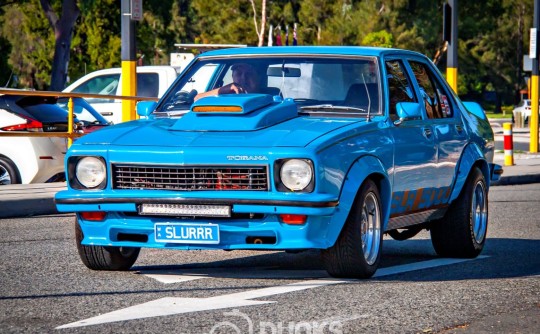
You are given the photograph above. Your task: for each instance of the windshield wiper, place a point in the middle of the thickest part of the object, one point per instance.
(170, 113)
(326, 107)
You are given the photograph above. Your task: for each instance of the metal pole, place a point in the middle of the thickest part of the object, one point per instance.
(129, 62)
(533, 121)
(452, 56)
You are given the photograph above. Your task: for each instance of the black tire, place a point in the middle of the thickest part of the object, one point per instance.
(357, 252)
(9, 174)
(105, 258)
(462, 231)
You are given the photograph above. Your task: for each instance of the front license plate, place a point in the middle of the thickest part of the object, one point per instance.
(187, 233)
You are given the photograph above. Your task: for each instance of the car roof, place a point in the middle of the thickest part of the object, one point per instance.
(310, 50)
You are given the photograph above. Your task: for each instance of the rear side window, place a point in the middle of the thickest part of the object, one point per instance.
(432, 93)
(147, 84)
(398, 85)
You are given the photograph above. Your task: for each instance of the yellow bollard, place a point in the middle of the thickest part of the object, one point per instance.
(70, 122)
(508, 144)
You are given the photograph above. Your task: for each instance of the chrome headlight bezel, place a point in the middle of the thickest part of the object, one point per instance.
(294, 175)
(81, 167)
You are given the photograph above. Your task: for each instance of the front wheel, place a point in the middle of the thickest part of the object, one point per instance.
(462, 231)
(105, 258)
(357, 251)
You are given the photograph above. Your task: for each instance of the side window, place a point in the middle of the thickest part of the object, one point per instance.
(148, 84)
(432, 92)
(104, 84)
(399, 86)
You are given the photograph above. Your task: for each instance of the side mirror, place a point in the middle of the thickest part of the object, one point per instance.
(145, 108)
(408, 111)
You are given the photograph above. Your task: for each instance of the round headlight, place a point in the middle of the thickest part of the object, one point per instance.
(90, 172)
(296, 174)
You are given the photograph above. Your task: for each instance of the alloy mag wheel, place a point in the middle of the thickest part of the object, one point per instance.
(370, 228)
(479, 213)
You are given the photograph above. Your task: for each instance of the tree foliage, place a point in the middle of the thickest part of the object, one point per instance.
(493, 34)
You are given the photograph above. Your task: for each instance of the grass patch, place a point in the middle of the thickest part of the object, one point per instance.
(515, 151)
(506, 111)
(499, 115)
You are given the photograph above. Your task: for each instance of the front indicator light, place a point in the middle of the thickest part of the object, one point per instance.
(293, 219)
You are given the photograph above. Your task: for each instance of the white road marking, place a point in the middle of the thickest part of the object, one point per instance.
(175, 305)
(169, 278)
(421, 265)
(184, 275)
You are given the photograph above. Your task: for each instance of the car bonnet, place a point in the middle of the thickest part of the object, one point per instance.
(259, 121)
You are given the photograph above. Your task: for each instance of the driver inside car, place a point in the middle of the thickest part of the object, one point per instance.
(245, 80)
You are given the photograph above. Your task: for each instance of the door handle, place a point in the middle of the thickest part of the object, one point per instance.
(427, 132)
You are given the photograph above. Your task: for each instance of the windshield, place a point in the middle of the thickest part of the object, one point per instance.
(317, 84)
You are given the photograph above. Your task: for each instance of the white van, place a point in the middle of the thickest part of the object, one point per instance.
(152, 81)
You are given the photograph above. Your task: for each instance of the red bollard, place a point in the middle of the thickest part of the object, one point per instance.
(508, 145)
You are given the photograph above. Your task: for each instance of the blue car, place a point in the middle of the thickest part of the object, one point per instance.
(288, 148)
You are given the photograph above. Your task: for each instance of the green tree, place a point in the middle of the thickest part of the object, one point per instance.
(490, 34)
(25, 27)
(313, 15)
(96, 41)
(220, 22)
(380, 38)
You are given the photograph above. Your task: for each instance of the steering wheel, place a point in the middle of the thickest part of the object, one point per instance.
(184, 97)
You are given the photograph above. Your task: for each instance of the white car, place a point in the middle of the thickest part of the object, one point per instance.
(152, 81)
(524, 107)
(38, 159)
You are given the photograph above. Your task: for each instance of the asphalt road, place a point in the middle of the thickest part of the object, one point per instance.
(44, 286)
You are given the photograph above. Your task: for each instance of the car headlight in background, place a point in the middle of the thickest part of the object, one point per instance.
(90, 172)
(296, 174)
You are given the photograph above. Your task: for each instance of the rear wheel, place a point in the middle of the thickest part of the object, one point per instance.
(105, 258)
(462, 231)
(357, 251)
(8, 172)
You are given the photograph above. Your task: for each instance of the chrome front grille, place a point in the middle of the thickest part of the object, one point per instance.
(190, 178)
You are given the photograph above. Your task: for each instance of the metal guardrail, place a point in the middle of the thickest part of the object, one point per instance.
(70, 134)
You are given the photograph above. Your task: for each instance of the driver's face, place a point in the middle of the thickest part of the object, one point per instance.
(245, 76)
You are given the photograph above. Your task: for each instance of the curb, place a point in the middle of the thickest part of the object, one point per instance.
(27, 208)
(517, 180)
(25, 200)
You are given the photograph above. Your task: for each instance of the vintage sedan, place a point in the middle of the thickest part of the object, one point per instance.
(326, 148)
